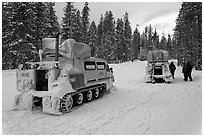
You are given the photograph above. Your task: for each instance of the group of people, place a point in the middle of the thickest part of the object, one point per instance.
(186, 70)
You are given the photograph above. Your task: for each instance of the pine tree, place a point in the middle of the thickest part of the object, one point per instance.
(41, 21)
(136, 43)
(24, 25)
(143, 46)
(77, 27)
(109, 36)
(21, 28)
(127, 54)
(68, 21)
(119, 40)
(100, 38)
(52, 27)
(188, 33)
(150, 41)
(150, 38)
(163, 42)
(7, 28)
(92, 38)
(85, 22)
(145, 38)
(174, 49)
(155, 40)
(6, 22)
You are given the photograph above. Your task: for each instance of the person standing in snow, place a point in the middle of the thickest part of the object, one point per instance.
(172, 68)
(187, 69)
(184, 70)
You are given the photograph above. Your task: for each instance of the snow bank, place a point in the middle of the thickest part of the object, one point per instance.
(135, 108)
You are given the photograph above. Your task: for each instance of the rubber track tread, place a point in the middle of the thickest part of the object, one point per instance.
(80, 91)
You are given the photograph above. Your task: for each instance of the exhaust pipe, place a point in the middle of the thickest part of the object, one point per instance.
(57, 48)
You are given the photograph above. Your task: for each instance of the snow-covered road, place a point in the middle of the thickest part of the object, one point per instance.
(135, 107)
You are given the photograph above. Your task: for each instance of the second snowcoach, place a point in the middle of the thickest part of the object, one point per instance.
(157, 68)
(65, 78)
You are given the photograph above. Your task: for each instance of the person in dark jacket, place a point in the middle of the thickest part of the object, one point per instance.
(187, 69)
(172, 68)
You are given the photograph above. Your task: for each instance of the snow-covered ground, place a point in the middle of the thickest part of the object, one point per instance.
(135, 107)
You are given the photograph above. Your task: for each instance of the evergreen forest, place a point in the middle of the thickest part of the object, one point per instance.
(24, 24)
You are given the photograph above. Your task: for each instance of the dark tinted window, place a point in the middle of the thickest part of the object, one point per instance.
(101, 65)
(89, 65)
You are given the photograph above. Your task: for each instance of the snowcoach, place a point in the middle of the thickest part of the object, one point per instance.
(157, 69)
(65, 78)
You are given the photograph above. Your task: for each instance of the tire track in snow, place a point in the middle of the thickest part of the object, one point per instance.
(119, 113)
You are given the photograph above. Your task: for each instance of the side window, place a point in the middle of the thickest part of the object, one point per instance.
(89, 65)
(101, 65)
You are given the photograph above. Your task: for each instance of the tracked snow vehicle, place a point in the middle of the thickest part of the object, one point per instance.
(65, 78)
(157, 69)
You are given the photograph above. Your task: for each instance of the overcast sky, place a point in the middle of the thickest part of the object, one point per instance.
(161, 15)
